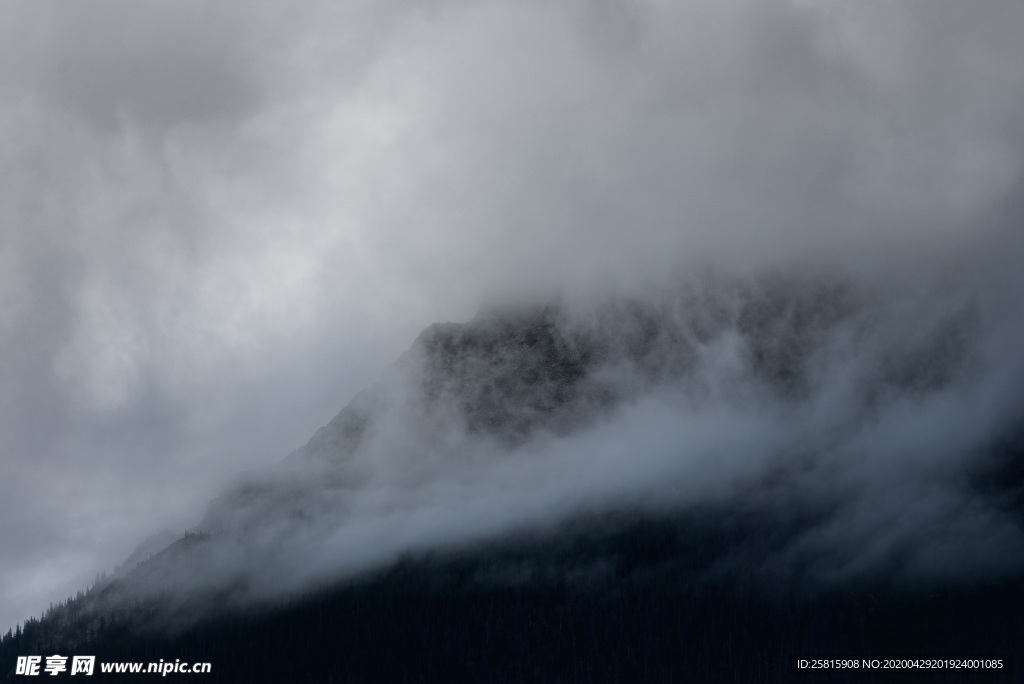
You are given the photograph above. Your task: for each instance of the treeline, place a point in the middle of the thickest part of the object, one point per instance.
(634, 600)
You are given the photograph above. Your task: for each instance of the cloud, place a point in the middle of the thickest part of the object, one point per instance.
(220, 223)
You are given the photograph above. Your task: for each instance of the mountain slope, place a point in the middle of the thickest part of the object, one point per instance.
(739, 471)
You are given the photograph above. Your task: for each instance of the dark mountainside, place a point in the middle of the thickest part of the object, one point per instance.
(629, 567)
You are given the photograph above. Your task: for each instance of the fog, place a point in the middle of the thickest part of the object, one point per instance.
(781, 394)
(220, 224)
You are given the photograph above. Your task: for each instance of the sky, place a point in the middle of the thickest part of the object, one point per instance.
(218, 223)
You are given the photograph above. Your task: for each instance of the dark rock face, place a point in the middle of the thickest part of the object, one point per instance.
(785, 326)
(341, 437)
(508, 375)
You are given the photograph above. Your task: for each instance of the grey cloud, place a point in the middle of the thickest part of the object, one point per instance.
(219, 223)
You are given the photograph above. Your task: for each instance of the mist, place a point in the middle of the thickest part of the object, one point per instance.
(220, 225)
(875, 412)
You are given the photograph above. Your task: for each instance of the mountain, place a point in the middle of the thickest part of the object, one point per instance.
(707, 482)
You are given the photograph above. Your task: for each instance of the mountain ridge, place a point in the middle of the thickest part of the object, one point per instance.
(766, 438)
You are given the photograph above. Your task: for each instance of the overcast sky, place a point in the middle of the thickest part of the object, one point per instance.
(220, 221)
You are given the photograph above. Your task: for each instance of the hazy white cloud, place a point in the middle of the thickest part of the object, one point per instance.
(218, 223)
